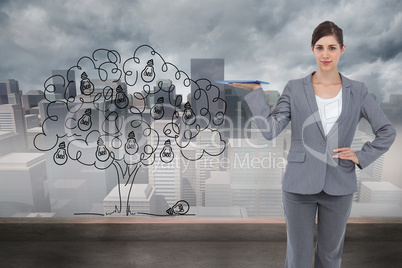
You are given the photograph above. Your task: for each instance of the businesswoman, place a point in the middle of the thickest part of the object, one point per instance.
(325, 108)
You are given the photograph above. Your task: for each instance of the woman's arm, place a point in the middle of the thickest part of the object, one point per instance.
(270, 124)
(384, 132)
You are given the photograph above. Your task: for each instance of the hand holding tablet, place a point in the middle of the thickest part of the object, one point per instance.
(245, 84)
(226, 82)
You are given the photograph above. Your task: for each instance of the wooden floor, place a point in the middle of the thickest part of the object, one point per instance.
(180, 242)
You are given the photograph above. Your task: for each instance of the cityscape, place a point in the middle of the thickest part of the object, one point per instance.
(227, 170)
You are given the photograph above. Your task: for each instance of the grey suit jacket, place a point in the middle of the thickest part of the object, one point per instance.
(310, 167)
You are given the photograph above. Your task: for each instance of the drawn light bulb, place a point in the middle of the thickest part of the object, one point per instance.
(131, 145)
(121, 100)
(85, 122)
(158, 110)
(167, 154)
(180, 208)
(148, 74)
(60, 156)
(102, 153)
(188, 115)
(86, 86)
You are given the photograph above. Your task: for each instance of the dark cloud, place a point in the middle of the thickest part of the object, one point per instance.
(267, 40)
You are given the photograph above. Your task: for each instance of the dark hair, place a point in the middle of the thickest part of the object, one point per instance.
(327, 28)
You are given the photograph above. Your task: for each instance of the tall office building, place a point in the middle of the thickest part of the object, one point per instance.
(206, 164)
(31, 99)
(218, 191)
(62, 88)
(257, 168)
(393, 108)
(10, 142)
(102, 87)
(237, 112)
(164, 176)
(10, 92)
(32, 121)
(3, 93)
(12, 119)
(73, 187)
(163, 95)
(23, 184)
(188, 174)
(374, 171)
(381, 193)
(256, 175)
(211, 69)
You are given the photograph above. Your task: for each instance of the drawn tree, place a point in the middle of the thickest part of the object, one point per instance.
(105, 126)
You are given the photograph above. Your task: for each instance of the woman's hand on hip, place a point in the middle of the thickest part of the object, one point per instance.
(346, 153)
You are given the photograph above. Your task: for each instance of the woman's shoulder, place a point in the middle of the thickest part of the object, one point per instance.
(356, 87)
(295, 83)
(346, 81)
(301, 81)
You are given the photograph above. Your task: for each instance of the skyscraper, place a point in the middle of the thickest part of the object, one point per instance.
(12, 119)
(9, 92)
(62, 88)
(31, 99)
(211, 69)
(23, 183)
(164, 176)
(164, 93)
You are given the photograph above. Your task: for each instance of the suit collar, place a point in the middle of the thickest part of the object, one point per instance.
(308, 80)
(309, 90)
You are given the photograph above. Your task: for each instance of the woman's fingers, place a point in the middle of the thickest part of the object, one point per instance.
(247, 86)
(346, 153)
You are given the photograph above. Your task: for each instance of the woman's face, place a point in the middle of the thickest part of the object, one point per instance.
(327, 52)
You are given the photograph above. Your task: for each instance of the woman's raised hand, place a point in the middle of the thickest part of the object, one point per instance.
(247, 86)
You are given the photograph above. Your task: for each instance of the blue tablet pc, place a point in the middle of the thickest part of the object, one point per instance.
(241, 81)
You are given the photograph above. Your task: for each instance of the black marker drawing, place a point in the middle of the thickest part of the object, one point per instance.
(112, 124)
(121, 98)
(86, 86)
(148, 74)
(180, 208)
(85, 122)
(60, 156)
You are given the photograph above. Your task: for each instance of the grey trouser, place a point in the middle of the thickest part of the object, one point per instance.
(332, 215)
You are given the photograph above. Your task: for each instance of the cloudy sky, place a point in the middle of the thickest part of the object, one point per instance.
(265, 40)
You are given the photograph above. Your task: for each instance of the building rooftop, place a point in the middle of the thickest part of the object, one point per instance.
(34, 92)
(381, 186)
(5, 133)
(218, 177)
(139, 192)
(20, 160)
(35, 130)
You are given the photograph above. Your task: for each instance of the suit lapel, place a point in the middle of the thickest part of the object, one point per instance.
(309, 90)
(346, 86)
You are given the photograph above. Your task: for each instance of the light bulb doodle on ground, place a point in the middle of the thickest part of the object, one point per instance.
(181, 208)
(128, 117)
